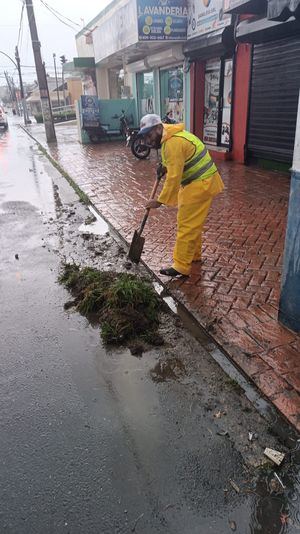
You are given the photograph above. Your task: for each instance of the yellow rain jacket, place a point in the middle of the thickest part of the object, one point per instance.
(191, 183)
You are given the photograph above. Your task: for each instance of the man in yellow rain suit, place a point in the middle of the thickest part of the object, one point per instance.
(192, 181)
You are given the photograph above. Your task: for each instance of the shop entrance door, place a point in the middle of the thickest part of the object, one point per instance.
(145, 93)
(274, 100)
(217, 102)
(171, 92)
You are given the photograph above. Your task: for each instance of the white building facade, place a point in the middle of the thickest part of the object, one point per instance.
(137, 48)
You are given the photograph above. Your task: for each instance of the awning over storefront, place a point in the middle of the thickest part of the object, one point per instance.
(84, 62)
(264, 30)
(280, 10)
(166, 57)
(283, 9)
(246, 7)
(214, 44)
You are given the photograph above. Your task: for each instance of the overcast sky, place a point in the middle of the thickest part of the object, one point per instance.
(53, 34)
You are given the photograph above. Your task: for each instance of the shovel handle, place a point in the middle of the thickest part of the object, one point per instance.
(153, 193)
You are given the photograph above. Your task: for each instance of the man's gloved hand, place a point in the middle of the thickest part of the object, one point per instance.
(160, 171)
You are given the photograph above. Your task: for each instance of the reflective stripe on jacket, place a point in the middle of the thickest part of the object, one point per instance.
(200, 165)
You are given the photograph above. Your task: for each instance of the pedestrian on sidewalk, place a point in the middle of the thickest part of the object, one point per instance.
(192, 181)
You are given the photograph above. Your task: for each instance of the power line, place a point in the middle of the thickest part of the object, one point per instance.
(41, 75)
(27, 66)
(58, 15)
(20, 24)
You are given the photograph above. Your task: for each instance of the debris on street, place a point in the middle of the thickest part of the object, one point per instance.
(136, 522)
(234, 485)
(90, 220)
(279, 480)
(284, 518)
(275, 485)
(126, 306)
(170, 369)
(222, 433)
(219, 414)
(276, 456)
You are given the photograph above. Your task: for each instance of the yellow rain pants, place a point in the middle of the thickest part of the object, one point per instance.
(194, 201)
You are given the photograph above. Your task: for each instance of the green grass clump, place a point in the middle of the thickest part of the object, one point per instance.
(69, 277)
(127, 290)
(126, 306)
(91, 302)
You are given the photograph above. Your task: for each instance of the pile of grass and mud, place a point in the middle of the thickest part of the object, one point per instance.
(126, 306)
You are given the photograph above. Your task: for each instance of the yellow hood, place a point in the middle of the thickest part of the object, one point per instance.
(171, 129)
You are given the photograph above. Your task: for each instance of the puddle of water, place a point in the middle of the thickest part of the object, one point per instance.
(170, 369)
(99, 227)
(25, 177)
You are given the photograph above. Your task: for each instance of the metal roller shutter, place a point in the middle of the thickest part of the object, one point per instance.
(274, 99)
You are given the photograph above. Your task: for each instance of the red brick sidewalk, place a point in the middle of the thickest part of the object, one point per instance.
(234, 291)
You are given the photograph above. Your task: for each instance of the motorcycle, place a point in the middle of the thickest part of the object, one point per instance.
(138, 147)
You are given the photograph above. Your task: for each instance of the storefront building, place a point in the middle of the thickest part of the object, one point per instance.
(272, 30)
(245, 77)
(137, 49)
(230, 69)
(160, 83)
(210, 52)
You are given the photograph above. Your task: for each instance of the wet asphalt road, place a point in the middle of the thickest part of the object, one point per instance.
(89, 443)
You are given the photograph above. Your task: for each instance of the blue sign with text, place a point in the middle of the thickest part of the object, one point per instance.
(90, 111)
(162, 20)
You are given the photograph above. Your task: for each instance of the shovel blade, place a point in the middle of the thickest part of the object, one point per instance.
(136, 247)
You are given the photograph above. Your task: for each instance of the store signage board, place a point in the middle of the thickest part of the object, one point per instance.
(90, 111)
(162, 20)
(205, 16)
(211, 101)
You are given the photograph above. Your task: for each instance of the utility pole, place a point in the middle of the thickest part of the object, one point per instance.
(289, 305)
(25, 114)
(63, 61)
(57, 89)
(12, 95)
(41, 75)
(9, 87)
(12, 83)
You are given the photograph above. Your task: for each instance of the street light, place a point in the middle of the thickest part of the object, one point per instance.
(26, 118)
(9, 58)
(13, 97)
(63, 60)
(57, 88)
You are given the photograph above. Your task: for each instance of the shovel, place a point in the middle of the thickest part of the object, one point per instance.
(137, 243)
